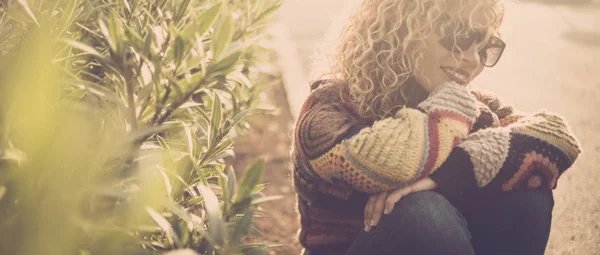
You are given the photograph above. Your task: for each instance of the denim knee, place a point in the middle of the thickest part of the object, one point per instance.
(431, 224)
(427, 209)
(527, 205)
(534, 202)
(516, 222)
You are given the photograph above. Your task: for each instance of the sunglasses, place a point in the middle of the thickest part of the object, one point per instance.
(489, 54)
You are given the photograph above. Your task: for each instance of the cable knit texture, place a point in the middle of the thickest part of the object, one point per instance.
(464, 140)
(487, 149)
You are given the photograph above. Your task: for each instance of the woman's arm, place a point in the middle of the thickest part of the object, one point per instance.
(529, 152)
(523, 151)
(389, 154)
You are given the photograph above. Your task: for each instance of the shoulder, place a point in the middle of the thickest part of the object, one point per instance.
(326, 94)
(326, 119)
(328, 91)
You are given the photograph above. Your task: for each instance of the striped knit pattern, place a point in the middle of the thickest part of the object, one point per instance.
(340, 157)
(551, 128)
(369, 161)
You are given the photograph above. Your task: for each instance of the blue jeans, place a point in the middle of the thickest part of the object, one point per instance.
(516, 223)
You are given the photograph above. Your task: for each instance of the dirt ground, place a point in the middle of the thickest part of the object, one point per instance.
(270, 139)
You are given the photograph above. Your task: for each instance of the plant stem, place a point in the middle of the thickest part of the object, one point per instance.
(130, 99)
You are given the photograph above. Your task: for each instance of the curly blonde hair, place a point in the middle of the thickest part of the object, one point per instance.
(384, 40)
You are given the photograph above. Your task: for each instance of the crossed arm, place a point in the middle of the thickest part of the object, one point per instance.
(460, 139)
(436, 140)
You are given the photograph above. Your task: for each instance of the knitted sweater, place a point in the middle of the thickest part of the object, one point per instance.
(464, 140)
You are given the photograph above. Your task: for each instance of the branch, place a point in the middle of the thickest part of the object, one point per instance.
(177, 104)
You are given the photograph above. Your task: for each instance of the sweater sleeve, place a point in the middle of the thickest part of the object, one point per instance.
(390, 153)
(531, 151)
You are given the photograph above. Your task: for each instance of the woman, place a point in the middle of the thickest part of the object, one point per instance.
(395, 127)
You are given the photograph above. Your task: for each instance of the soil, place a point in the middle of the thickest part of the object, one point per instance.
(270, 139)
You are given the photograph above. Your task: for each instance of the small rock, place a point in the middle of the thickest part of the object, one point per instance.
(286, 189)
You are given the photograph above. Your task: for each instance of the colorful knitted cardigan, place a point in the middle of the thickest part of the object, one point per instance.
(464, 140)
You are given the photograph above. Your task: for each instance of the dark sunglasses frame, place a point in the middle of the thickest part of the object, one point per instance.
(458, 44)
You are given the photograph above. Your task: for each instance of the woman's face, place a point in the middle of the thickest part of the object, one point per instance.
(440, 64)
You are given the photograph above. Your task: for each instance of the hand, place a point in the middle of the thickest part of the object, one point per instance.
(384, 202)
(486, 118)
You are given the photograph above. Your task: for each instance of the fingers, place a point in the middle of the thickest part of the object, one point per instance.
(371, 208)
(394, 197)
(384, 202)
(378, 209)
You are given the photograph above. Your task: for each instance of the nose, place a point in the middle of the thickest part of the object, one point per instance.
(471, 55)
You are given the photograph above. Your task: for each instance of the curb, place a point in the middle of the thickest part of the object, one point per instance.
(293, 75)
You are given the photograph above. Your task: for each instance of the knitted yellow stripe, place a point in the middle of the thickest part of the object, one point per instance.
(392, 147)
(558, 138)
(551, 129)
(333, 166)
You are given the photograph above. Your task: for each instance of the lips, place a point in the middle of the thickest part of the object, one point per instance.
(457, 75)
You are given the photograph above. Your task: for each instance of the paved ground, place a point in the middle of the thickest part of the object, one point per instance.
(552, 61)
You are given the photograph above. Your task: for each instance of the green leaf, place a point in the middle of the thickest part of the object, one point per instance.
(241, 206)
(191, 63)
(25, 6)
(151, 130)
(107, 36)
(225, 191)
(249, 181)
(205, 20)
(183, 232)
(128, 8)
(144, 93)
(178, 13)
(85, 48)
(236, 120)
(203, 119)
(2, 192)
(147, 50)
(187, 217)
(223, 35)
(168, 186)
(259, 188)
(225, 65)
(241, 228)
(215, 121)
(231, 180)
(266, 13)
(68, 16)
(165, 226)
(223, 146)
(254, 250)
(190, 139)
(266, 199)
(191, 81)
(240, 78)
(178, 50)
(216, 227)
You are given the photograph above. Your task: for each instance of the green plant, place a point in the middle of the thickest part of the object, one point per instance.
(115, 120)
